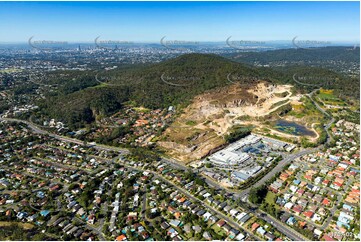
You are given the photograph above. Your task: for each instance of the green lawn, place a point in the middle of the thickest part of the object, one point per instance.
(218, 230)
(270, 197)
(324, 95)
(330, 98)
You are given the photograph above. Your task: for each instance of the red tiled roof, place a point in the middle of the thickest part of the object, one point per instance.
(121, 237)
(326, 201)
(326, 237)
(254, 226)
(221, 223)
(297, 209)
(308, 214)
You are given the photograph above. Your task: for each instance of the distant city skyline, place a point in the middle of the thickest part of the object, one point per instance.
(148, 22)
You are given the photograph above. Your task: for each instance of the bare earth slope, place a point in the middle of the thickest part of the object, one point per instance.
(203, 124)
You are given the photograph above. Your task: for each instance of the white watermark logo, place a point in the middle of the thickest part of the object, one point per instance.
(243, 44)
(313, 81)
(46, 45)
(110, 44)
(106, 81)
(177, 44)
(305, 44)
(178, 81)
(236, 78)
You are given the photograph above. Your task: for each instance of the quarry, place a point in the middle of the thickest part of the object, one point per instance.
(200, 129)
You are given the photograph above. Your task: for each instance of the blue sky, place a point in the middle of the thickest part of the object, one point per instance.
(193, 21)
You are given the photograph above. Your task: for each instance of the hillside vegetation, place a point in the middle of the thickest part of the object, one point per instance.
(305, 55)
(81, 98)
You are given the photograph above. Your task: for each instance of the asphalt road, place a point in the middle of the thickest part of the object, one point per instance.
(95, 230)
(333, 210)
(328, 125)
(282, 228)
(38, 130)
(287, 231)
(144, 204)
(219, 214)
(279, 167)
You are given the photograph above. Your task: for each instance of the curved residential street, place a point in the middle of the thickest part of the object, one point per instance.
(236, 195)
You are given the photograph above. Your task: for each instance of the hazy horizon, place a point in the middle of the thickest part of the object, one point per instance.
(81, 22)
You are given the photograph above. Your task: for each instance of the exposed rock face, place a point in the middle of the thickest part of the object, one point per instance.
(234, 104)
(213, 113)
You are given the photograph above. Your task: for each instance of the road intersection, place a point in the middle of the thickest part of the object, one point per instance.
(236, 195)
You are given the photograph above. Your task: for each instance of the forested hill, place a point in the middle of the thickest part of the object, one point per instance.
(82, 98)
(341, 59)
(178, 80)
(307, 55)
(174, 82)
